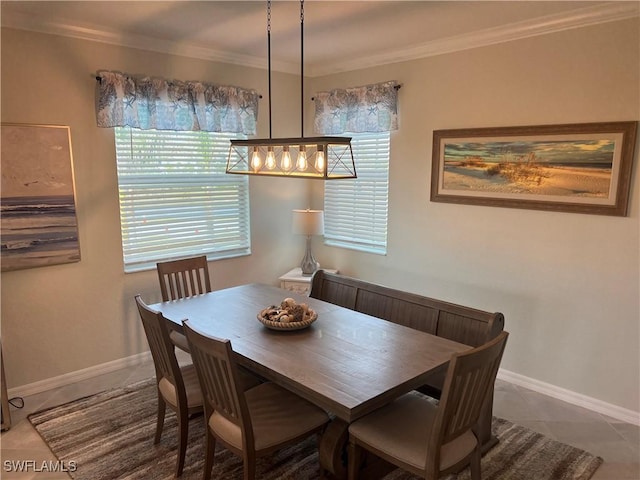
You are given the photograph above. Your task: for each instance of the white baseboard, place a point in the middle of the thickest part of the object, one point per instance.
(590, 403)
(613, 411)
(78, 375)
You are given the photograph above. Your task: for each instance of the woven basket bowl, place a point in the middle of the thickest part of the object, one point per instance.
(309, 318)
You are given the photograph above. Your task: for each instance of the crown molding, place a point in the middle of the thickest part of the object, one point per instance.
(603, 13)
(102, 35)
(545, 25)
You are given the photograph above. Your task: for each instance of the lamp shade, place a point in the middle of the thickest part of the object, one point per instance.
(308, 222)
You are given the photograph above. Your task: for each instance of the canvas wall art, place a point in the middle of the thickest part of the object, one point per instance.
(39, 223)
(582, 168)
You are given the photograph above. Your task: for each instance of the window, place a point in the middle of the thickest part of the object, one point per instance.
(356, 210)
(176, 199)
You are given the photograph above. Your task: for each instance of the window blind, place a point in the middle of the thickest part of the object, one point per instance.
(356, 210)
(175, 198)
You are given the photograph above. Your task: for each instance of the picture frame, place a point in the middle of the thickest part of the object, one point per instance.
(579, 168)
(39, 222)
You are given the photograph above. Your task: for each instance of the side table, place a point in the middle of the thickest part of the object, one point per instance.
(294, 281)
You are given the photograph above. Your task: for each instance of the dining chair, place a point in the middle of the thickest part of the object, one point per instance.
(251, 423)
(427, 438)
(178, 387)
(180, 279)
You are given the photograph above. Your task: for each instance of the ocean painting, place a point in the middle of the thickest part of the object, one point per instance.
(578, 168)
(567, 168)
(38, 214)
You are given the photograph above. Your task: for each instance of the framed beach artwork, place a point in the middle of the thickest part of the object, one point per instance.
(39, 224)
(581, 168)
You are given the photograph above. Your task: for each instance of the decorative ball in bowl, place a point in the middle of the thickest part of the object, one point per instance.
(289, 315)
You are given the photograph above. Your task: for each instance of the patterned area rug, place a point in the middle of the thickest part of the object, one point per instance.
(110, 436)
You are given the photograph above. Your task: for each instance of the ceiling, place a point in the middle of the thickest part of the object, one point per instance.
(338, 35)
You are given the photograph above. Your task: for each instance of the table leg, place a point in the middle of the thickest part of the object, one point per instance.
(333, 450)
(333, 455)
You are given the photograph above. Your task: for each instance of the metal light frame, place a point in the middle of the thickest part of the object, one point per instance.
(323, 158)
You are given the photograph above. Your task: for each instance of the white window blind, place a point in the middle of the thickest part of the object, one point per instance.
(176, 199)
(356, 210)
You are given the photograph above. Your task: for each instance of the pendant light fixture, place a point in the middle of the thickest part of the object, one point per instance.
(324, 158)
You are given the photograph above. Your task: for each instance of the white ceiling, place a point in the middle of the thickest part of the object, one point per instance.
(338, 35)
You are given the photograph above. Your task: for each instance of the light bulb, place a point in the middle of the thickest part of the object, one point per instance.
(271, 159)
(320, 159)
(286, 159)
(256, 161)
(302, 158)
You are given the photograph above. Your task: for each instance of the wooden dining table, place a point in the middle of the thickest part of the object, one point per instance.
(346, 362)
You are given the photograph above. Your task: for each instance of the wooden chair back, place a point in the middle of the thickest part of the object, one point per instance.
(220, 382)
(183, 278)
(162, 351)
(177, 386)
(470, 379)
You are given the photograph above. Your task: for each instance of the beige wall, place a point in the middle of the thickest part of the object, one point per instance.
(568, 284)
(61, 319)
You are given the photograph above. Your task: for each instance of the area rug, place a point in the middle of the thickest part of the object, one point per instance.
(110, 436)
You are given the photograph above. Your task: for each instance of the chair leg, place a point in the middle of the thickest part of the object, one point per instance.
(162, 407)
(209, 455)
(354, 461)
(474, 464)
(183, 427)
(249, 468)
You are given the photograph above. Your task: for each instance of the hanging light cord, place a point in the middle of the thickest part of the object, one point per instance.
(301, 68)
(301, 64)
(269, 58)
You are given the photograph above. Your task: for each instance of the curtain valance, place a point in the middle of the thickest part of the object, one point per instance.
(160, 104)
(369, 108)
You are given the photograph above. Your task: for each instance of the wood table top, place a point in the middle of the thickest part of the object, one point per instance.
(347, 362)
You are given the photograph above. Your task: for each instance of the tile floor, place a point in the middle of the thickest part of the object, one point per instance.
(618, 443)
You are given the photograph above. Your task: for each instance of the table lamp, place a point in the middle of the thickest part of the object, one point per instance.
(308, 222)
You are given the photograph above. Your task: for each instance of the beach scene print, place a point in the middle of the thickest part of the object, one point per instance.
(38, 224)
(575, 168)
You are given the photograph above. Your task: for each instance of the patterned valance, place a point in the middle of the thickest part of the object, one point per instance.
(370, 108)
(159, 104)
